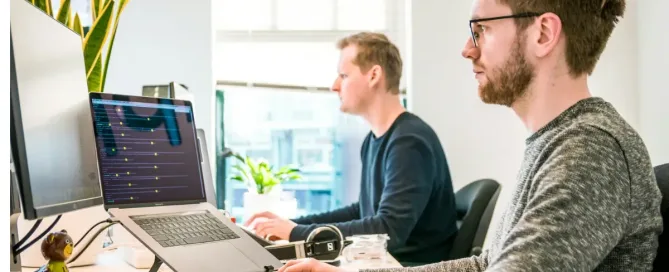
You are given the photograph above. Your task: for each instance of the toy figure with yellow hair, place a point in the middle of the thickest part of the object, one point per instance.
(57, 248)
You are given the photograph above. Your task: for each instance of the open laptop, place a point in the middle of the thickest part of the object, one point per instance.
(152, 182)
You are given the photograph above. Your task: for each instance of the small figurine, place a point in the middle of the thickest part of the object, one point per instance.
(56, 248)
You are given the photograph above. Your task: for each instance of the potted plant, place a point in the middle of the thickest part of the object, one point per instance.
(263, 183)
(95, 39)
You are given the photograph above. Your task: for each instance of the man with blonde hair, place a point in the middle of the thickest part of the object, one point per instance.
(406, 190)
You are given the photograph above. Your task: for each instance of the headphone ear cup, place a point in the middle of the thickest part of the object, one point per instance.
(340, 237)
(336, 230)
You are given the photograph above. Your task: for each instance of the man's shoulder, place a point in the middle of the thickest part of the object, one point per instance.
(409, 125)
(600, 129)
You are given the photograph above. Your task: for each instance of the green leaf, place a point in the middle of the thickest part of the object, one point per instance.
(76, 25)
(63, 12)
(121, 7)
(49, 8)
(94, 77)
(95, 9)
(237, 178)
(44, 5)
(93, 44)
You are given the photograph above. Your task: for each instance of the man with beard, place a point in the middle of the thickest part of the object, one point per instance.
(586, 198)
(406, 189)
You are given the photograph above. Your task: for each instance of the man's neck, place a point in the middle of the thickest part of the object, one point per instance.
(382, 112)
(548, 97)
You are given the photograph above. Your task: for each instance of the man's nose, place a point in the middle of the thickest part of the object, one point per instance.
(336, 85)
(470, 51)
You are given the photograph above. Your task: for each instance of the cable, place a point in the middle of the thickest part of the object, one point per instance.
(47, 230)
(30, 232)
(90, 241)
(108, 220)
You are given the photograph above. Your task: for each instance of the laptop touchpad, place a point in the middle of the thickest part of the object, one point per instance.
(219, 257)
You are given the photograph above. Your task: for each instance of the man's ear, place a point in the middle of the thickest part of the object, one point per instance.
(548, 34)
(374, 75)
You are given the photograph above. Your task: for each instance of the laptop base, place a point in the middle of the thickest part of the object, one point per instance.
(241, 254)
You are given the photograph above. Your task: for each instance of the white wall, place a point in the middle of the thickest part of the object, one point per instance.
(615, 77)
(485, 141)
(159, 41)
(653, 60)
(481, 141)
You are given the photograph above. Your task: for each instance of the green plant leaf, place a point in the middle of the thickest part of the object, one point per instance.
(44, 5)
(93, 44)
(95, 9)
(121, 7)
(76, 25)
(63, 12)
(94, 76)
(237, 178)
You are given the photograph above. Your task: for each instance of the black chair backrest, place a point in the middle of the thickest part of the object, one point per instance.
(662, 259)
(475, 204)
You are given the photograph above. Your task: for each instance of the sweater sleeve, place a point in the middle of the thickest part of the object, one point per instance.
(470, 264)
(344, 214)
(579, 208)
(408, 174)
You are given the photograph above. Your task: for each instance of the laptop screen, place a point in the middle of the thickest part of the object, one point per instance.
(147, 150)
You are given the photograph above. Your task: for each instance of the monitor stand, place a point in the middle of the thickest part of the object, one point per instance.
(15, 261)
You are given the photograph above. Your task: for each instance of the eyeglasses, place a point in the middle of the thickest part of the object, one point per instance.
(475, 34)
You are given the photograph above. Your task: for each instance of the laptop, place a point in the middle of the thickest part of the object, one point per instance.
(152, 182)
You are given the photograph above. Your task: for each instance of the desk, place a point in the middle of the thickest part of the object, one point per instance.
(112, 261)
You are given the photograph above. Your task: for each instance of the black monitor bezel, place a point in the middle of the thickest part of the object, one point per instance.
(18, 150)
(147, 99)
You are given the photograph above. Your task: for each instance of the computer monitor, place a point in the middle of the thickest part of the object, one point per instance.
(52, 140)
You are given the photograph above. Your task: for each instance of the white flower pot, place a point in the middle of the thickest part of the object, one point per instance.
(255, 203)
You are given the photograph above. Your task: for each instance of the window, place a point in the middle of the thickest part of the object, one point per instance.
(290, 63)
(288, 48)
(292, 15)
(316, 142)
(368, 14)
(242, 15)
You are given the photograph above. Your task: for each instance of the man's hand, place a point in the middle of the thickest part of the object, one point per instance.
(265, 215)
(308, 265)
(269, 224)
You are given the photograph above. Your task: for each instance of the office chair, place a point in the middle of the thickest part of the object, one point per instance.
(662, 259)
(475, 204)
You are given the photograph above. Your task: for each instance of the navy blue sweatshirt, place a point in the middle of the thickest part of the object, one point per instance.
(406, 192)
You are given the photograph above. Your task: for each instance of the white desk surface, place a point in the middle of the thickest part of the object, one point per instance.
(112, 261)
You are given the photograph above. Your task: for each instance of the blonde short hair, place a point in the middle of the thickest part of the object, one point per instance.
(376, 49)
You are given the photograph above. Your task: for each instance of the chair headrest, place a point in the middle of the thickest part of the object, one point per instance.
(466, 196)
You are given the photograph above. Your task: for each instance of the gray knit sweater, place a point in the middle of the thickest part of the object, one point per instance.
(586, 200)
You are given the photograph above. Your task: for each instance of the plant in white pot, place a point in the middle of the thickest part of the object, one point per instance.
(263, 183)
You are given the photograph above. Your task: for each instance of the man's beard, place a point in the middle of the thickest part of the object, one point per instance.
(509, 83)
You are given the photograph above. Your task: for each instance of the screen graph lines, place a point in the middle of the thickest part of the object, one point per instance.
(147, 153)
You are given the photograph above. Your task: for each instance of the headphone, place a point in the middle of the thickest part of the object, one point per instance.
(329, 235)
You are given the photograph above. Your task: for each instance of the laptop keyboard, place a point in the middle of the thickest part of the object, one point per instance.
(179, 230)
